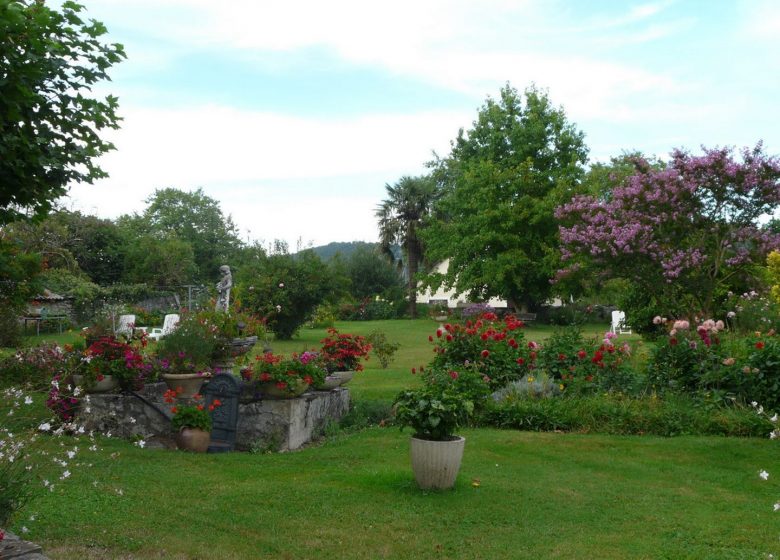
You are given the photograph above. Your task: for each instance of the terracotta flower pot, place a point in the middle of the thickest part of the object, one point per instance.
(193, 439)
(190, 383)
(436, 463)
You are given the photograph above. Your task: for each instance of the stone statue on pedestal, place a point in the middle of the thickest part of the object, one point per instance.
(223, 289)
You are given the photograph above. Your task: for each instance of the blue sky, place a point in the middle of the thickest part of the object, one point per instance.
(295, 114)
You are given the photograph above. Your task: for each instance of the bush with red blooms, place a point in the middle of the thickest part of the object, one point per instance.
(343, 352)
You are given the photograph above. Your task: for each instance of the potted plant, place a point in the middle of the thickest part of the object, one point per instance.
(283, 378)
(191, 422)
(185, 356)
(342, 353)
(434, 414)
(110, 363)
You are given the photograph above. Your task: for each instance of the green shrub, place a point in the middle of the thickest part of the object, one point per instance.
(432, 413)
(383, 349)
(363, 414)
(621, 415)
(539, 386)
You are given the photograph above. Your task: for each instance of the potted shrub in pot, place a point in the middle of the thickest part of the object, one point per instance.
(284, 378)
(191, 423)
(434, 414)
(342, 353)
(110, 363)
(184, 356)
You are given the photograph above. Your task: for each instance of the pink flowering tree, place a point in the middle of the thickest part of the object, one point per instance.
(684, 234)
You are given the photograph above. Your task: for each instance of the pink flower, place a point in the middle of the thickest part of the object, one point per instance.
(657, 320)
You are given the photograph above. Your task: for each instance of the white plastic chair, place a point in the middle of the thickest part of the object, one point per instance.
(126, 324)
(169, 323)
(618, 325)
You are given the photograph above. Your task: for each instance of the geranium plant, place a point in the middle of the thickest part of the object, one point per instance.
(194, 416)
(109, 356)
(287, 373)
(343, 352)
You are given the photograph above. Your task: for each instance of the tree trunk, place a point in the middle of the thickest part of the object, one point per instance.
(413, 258)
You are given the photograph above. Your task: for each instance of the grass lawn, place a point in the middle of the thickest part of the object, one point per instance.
(518, 495)
(539, 496)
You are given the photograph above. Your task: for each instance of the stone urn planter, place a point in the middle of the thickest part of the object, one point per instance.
(335, 379)
(193, 439)
(270, 390)
(436, 463)
(108, 384)
(190, 383)
(237, 347)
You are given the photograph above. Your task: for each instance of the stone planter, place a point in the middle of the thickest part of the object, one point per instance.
(106, 385)
(269, 390)
(343, 377)
(331, 382)
(193, 439)
(436, 463)
(190, 383)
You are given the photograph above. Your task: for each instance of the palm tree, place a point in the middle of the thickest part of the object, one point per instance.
(400, 216)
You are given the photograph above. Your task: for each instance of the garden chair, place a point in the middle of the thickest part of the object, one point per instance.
(126, 324)
(618, 325)
(169, 323)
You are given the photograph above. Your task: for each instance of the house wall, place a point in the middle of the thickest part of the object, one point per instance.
(441, 295)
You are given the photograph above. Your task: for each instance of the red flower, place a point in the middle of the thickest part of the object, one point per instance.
(430, 338)
(414, 371)
(200, 407)
(308, 379)
(760, 344)
(281, 385)
(485, 353)
(100, 377)
(582, 354)
(672, 341)
(448, 327)
(438, 333)
(512, 342)
(217, 402)
(174, 410)
(484, 336)
(211, 408)
(449, 338)
(454, 374)
(561, 357)
(265, 376)
(520, 361)
(589, 378)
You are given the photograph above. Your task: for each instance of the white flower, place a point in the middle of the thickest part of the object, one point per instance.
(773, 418)
(777, 506)
(45, 427)
(281, 284)
(46, 483)
(71, 454)
(25, 530)
(140, 443)
(754, 404)
(132, 420)
(65, 475)
(278, 307)
(28, 400)
(763, 474)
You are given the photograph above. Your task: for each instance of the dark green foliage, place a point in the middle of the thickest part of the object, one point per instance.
(19, 281)
(167, 262)
(618, 415)
(500, 185)
(191, 416)
(191, 217)
(283, 288)
(49, 126)
(365, 413)
(372, 274)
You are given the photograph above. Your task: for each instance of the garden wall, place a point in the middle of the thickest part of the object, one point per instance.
(278, 425)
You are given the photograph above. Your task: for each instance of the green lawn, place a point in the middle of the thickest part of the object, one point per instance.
(518, 495)
(539, 496)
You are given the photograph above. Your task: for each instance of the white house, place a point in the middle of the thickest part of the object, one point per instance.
(448, 297)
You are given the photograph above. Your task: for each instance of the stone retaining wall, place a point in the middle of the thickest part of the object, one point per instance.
(278, 425)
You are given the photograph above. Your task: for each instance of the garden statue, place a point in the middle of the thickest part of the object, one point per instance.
(223, 289)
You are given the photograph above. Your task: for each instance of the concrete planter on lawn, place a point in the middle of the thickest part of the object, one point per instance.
(436, 463)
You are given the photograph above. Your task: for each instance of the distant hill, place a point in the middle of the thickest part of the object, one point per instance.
(346, 248)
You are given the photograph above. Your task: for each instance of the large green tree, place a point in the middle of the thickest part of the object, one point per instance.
(400, 215)
(193, 217)
(500, 185)
(49, 124)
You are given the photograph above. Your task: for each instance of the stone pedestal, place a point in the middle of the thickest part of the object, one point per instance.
(276, 425)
